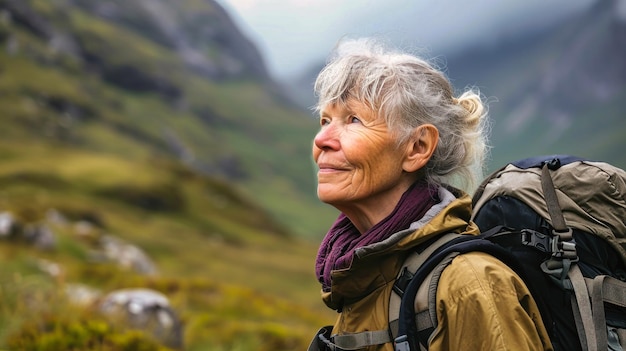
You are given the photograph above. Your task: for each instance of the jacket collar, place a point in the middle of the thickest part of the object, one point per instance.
(376, 265)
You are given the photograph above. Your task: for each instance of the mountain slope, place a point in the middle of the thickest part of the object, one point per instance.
(171, 79)
(561, 90)
(233, 274)
(153, 122)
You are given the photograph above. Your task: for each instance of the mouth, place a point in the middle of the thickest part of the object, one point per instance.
(329, 168)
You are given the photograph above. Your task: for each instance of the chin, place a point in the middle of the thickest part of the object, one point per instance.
(327, 197)
(324, 199)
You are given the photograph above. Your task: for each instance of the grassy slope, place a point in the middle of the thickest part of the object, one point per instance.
(76, 143)
(239, 123)
(213, 242)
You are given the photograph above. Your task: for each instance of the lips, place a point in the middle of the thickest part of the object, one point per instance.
(328, 167)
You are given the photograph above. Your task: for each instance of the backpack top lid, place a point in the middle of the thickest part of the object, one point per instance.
(592, 194)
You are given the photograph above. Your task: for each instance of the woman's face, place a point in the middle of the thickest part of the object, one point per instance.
(359, 161)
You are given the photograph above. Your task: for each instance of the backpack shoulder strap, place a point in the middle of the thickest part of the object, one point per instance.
(605, 289)
(427, 316)
(409, 337)
(562, 267)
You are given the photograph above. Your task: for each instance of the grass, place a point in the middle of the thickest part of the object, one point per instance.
(236, 279)
(211, 179)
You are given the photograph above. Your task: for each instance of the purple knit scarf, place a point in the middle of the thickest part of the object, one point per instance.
(337, 248)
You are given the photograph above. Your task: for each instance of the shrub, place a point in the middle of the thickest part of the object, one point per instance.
(53, 333)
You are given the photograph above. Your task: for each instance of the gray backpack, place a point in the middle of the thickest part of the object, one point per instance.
(560, 223)
(576, 210)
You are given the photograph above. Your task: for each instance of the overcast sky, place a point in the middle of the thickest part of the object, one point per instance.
(295, 34)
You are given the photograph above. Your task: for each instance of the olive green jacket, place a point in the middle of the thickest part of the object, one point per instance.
(481, 303)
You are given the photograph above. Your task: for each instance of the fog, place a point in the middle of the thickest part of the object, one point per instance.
(295, 34)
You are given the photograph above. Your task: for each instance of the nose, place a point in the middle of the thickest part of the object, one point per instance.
(327, 138)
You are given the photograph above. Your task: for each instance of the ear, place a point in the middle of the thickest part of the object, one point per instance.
(420, 147)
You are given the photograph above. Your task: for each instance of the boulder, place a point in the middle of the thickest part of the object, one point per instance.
(147, 310)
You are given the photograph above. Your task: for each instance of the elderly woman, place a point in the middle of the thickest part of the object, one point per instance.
(392, 139)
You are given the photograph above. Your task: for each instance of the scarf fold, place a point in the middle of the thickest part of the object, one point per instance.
(338, 246)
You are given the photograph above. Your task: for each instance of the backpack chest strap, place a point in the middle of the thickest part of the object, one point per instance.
(357, 341)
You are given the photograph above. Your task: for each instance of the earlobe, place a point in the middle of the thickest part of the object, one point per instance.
(421, 147)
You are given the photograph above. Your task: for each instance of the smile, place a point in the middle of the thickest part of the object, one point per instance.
(328, 168)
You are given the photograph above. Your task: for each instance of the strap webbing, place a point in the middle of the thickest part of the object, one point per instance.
(552, 201)
(321, 335)
(357, 341)
(432, 291)
(605, 289)
(412, 263)
(613, 291)
(422, 319)
(581, 306)
(599, 318)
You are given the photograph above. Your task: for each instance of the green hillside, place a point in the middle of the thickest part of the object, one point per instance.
(153, 122)
(111, 85)
(236, 278)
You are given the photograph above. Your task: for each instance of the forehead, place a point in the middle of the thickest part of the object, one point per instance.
(350, 106)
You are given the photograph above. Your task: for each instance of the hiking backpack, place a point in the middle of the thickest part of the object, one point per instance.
(560, 223)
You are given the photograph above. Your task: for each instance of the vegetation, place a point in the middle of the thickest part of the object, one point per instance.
(108, 131)
(122, 93)
(236, 277)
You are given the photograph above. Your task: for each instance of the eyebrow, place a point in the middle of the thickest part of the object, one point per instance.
(346, 111)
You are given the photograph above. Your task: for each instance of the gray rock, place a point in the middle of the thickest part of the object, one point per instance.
(147, 310)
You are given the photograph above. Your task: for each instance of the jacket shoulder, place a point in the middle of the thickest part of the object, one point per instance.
(479, 295)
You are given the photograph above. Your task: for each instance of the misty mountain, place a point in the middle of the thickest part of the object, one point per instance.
(156, 79)
(558, 89)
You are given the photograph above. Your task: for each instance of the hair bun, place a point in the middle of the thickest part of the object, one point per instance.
(468, 103)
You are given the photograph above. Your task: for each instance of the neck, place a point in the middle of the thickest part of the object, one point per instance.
(367, 213)
(344, 237)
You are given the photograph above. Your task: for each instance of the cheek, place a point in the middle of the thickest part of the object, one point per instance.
(383, 164)
(375, 155)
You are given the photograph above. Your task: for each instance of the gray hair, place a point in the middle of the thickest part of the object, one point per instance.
(409, 92)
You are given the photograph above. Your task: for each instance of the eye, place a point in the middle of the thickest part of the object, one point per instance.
(324, 121)
(354, 119)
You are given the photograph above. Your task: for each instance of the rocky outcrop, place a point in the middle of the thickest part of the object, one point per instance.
(137, 308)
(38, 235)
(126, 255)
(108, 248)
(203, 36)
(147, 310)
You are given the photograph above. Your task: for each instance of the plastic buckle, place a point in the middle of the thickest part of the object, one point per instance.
(402, 343)
(329, 345)
(553, 164)
(565, 235)
(566, 245)
(568, 250)
(403, 281)
(541, 242)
